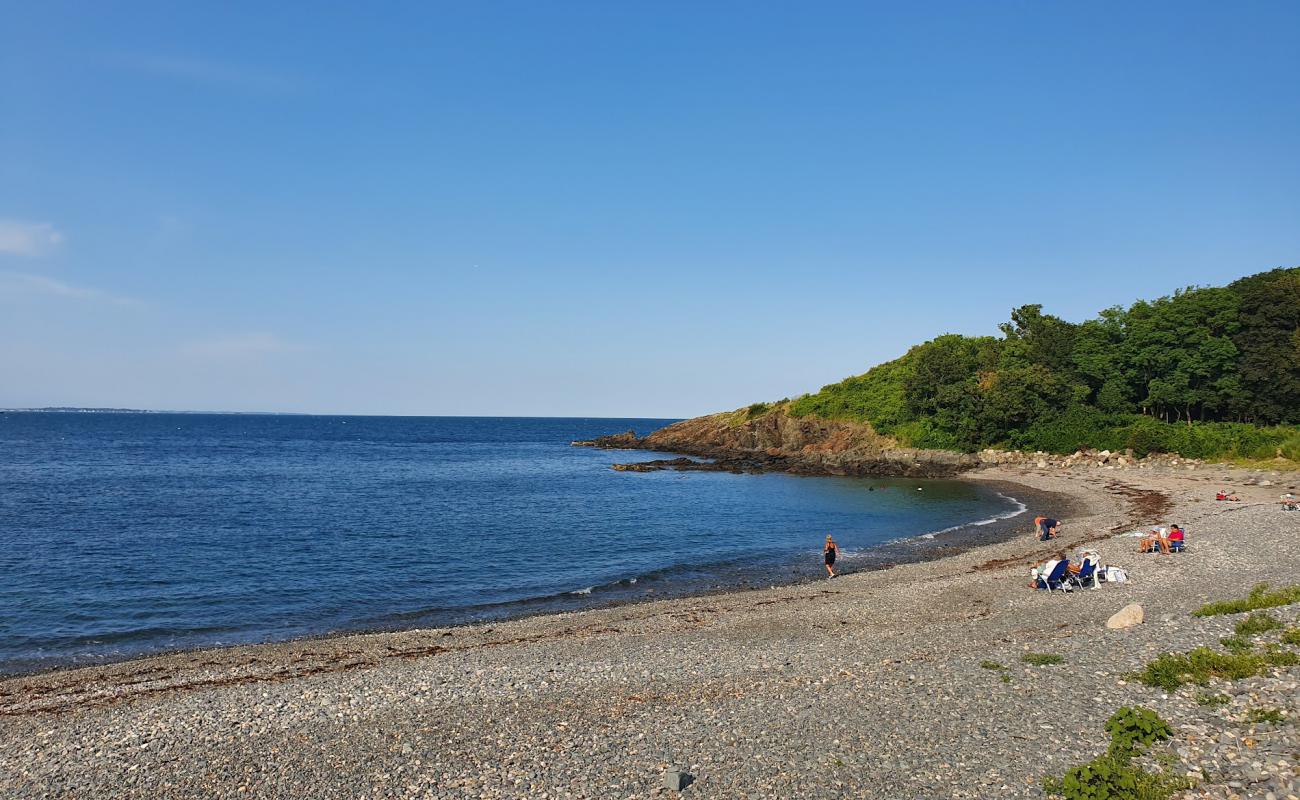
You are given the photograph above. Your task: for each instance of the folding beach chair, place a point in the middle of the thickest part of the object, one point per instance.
(1087, 573)
(1055, 578)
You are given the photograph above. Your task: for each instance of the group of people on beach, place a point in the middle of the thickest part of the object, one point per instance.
(1288, 500)
(1163, 540)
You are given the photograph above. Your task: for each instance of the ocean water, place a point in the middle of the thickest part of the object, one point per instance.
(126, 534)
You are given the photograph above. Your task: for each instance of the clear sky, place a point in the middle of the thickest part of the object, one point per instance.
(607, 208)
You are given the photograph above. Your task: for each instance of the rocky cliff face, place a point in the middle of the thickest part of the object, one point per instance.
(779, 442)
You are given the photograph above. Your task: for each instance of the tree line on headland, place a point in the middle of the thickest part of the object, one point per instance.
(1209, 372)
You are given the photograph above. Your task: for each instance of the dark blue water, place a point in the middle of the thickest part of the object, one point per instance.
(123, 534)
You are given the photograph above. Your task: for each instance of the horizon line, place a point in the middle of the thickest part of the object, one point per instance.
(118, 410)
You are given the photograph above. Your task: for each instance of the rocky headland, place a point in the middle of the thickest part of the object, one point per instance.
(778, 442)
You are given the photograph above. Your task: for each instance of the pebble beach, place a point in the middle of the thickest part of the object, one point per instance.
(907, 682)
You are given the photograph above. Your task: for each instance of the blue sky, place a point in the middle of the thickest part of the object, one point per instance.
(658, 209)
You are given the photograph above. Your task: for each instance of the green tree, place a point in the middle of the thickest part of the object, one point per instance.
(1269, 345)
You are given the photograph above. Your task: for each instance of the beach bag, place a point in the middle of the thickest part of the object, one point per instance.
(1116, 575)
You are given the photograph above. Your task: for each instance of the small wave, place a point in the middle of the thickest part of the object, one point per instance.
(1017, 511)
(588, 590)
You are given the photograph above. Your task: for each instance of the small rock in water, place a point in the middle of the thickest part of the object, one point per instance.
(1126, 617)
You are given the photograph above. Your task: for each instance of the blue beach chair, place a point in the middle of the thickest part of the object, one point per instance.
(1056, 578)
(1087, 573)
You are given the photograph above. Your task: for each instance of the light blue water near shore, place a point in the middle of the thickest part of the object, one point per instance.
(124, 534)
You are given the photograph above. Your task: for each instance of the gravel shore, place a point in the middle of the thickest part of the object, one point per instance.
(877, 684)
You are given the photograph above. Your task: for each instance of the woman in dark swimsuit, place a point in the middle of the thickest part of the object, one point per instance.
(831, 551)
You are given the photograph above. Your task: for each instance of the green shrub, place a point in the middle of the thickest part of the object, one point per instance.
(991, 665)
(1170, 671)
(1272, 715)
(1133, 726)
(1260, 597)
(1291, 635)
(923, 433)
(1212, 700)
(1080, 427)
(1257, 623)
(1109, 778)
(1113, 776)
(1290, 447)
(1041, 659)
(1236, 644)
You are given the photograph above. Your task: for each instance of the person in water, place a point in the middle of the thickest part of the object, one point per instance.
(831, 550)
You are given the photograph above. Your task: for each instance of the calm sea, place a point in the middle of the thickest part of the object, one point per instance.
(125, 534)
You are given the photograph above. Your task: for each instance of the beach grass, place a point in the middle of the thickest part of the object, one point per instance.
(1257, 623)
(1172, 670)
(1260, 597)
(1041, 659)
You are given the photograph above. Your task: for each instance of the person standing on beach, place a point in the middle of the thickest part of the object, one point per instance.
(831, 550)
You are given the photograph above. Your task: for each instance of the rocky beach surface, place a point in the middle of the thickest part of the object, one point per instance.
(917, 681)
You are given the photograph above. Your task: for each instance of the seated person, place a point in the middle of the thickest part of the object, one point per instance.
(1049, 566)
(1174, 541)
(1154, 541)
(1227, 496)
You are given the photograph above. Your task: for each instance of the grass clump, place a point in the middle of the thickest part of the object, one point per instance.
(1272, 715)
(1212, 700)
(1260, 597)
(1291, 636)
(1113, 776)
(991, 665)
(1236, 644)
(1257, 623)
(1041, 659)
(1171, 670)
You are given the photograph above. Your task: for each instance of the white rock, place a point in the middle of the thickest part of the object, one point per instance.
(1126, 617)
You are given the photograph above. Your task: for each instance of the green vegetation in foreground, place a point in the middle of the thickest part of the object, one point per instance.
(1262, 622)
(1041, 659)
(1236, 644)
(991, 665)
(1172, 670)
(1211, 372)
(1260, 597)
(1291, 636)
(1272, 715)
(1113, 776)
(1212, 700)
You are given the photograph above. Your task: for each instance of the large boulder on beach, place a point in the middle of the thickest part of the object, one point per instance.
(1126, 617)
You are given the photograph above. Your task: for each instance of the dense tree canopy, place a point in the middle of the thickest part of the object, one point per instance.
(1222, 361)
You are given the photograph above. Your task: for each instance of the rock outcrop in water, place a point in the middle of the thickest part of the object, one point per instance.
(777, 442)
